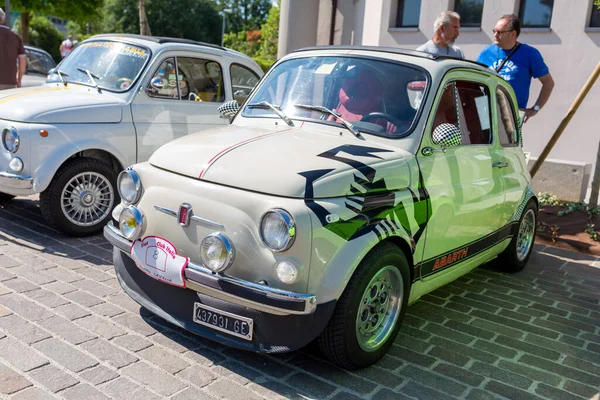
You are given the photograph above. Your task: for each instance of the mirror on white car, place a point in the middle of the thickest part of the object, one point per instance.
(229, 108)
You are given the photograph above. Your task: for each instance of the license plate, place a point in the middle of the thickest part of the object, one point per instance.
(223, 321)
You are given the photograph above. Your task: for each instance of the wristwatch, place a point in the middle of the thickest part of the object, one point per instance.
(536, 108)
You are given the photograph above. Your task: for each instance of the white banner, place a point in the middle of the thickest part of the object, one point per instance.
(158, 258)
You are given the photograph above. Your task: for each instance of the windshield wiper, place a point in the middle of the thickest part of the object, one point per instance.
(60, 75)
(326, 110)
(90, 75)
(276, 109)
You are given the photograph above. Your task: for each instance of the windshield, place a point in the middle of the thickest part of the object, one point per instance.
(376, 97)
(117, 65)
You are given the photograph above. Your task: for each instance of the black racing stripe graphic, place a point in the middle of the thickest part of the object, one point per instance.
(311, 176)
(375, 206)
(357, 199)
(463, 253)
(422, 206)
(354, 150)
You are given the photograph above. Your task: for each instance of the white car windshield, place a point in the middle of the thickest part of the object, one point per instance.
(376, 97)
(111, 65)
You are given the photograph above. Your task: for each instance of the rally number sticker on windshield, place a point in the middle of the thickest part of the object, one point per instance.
(158, 258)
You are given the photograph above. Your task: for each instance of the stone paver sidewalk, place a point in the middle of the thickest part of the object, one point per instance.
(68, 331)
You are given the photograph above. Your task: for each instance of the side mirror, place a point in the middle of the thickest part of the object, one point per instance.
(229, 109)
(447, 135)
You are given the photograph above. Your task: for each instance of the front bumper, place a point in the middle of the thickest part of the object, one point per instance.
(249, 294)
(15, 184)
(283, 321)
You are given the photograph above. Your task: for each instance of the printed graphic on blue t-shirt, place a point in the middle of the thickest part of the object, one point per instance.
(526, 62)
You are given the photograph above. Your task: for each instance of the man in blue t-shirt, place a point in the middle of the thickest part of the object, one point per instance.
(523, 63)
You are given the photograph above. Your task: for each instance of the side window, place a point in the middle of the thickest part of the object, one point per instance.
(474, 109)
(507, 126)
(202, 80)
(447, 112)
(243, 81)
(164, 81)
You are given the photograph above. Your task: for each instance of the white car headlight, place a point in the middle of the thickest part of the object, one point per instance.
(217, 252)
(10, 139)
(131, 222)
(129, 186)
(277, 229)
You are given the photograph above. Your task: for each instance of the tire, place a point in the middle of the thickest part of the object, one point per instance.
(515, 257)
(81, 197)
(5, 197)
(343, 340)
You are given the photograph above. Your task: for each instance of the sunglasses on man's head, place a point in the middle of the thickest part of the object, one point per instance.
(501, 32)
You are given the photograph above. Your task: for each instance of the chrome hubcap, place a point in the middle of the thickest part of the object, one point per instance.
(379, 308)
(87, 199)
(526, 235)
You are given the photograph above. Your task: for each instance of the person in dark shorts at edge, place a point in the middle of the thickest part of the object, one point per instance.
(12, 56)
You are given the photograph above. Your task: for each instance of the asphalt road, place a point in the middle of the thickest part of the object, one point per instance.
(67, 330)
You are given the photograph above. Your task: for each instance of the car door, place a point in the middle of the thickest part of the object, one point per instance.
(180, 97)
(464, 186)
(511, 159)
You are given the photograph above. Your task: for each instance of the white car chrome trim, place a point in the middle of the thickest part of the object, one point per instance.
(15, 181)
(174, 213)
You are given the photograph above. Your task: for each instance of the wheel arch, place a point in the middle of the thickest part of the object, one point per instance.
(343, 269)
(48, 170)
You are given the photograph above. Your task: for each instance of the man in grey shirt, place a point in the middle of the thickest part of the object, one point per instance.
(446, 29)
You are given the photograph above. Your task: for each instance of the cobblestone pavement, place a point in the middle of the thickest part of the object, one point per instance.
(67, 330)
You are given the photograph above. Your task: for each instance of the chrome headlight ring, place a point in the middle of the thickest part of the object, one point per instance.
(131, 222)
(10, 139)
(210, 245)
(285, 226)
(129, 186)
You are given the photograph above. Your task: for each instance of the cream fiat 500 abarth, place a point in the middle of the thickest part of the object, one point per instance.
(351, 182)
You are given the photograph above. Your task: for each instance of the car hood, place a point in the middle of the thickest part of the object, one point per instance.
(55, 104)
(297, 162)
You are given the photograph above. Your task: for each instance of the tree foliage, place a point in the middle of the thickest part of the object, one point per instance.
(246, 15)
(42, 33)
(79, 11)
(269, 34)
(189, 19)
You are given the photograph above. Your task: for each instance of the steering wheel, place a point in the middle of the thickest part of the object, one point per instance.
(400, 125)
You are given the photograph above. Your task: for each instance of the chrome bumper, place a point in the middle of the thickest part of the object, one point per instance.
(13, 181)
(248, 294)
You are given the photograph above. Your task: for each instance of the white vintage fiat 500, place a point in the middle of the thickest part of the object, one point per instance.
(351, 182)
(112, 102)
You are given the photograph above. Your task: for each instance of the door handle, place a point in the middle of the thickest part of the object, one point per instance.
(427, 151)
(500, 164)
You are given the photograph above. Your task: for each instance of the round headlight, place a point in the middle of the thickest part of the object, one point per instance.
(10, 139)
(277, 230)
(286, 272)
(131, 222)
(129, 186)
(216, 252)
